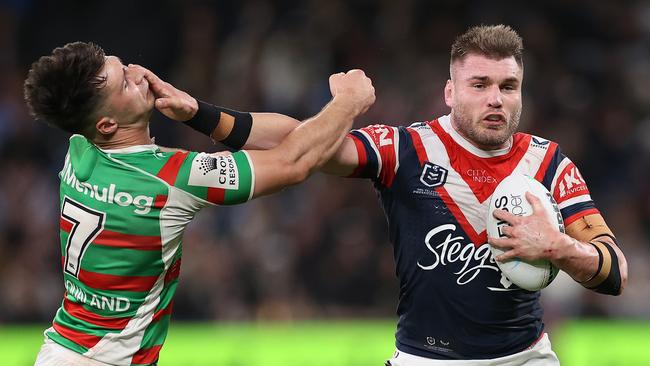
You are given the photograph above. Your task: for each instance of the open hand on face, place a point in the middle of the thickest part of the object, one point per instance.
(531, 237)
(170, 101)
(355, 88)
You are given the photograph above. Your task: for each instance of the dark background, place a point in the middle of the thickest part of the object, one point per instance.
(320, 250)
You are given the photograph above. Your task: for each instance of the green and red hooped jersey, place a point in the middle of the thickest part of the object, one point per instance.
(123, 213)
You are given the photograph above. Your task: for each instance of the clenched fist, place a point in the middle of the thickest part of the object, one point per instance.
(354, 89)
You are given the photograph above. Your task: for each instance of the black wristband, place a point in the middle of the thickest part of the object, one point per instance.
(206, 118)
(241, 129)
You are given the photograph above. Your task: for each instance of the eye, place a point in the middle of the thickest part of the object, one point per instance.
(478, 86)
(508, 87)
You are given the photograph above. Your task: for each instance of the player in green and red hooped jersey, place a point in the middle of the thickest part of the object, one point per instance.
(125, 201)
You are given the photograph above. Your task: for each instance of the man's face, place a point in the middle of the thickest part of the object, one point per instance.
(127, 96)
(484, 95)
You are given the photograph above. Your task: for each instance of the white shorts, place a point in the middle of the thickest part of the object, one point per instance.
(54, 354)
(540, 354)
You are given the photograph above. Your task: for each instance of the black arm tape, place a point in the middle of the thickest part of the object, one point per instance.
(241, 129)
(206, 119)
(607, 235)
(607, 279)
(208, 116)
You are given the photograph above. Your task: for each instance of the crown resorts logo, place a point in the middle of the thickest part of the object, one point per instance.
(207, 164)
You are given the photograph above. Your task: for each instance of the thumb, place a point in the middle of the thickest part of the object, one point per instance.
(162, 103)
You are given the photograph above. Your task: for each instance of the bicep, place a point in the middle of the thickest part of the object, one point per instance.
(220, 178)
(344, 161)
(272, 172)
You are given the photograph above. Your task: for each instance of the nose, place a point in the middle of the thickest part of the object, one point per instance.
(135, 73)
(495, 98)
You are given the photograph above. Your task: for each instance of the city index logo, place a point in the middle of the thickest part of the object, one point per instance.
(108, 194)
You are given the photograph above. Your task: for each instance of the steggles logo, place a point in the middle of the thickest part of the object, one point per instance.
(451, 249)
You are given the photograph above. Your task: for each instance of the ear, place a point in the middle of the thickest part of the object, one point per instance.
(449, 93)
(106, 126)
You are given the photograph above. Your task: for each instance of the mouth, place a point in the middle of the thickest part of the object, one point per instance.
(494, 119)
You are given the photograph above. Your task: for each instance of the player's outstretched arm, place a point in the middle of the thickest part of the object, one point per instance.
(344, 160)
(587, 252)
(235, 129)
(316, 140)
(268, 130)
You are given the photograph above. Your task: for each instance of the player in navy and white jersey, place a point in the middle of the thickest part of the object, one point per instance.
(435, 180)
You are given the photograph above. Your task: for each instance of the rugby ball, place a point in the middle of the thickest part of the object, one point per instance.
(509, 195)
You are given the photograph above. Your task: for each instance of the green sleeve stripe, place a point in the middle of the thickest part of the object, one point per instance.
(245, 189)
(252, 174)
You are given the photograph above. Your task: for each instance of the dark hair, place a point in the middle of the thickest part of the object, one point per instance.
(493, 41)
(64, 88)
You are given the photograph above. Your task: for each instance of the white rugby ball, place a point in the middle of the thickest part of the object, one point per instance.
(509, 195)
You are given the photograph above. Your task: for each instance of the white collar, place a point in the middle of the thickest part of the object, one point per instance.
(445, 122)
(132, 149)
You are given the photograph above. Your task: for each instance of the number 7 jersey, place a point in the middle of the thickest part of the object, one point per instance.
(435, 188)
(123, 213)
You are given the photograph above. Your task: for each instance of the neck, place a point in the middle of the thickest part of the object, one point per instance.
(125, 136)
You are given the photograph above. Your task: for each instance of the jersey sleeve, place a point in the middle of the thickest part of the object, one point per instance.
(221, 178)
(378, 152)
(568, 188)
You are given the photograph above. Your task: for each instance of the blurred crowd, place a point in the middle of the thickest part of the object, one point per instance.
(320, 249)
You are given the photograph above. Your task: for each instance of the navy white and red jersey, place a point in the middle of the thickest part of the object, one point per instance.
(435, 189)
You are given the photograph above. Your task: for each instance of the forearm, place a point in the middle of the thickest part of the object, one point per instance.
(578, 259)
(314, 142)
(242, 130)
(302, 150)
(269, 130)
(344, 160)
(233, 128)
(598, 265)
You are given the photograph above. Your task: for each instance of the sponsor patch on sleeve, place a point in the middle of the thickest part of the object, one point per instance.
(215, 171)
(570, 184)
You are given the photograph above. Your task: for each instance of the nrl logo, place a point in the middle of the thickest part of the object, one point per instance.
(433, 175)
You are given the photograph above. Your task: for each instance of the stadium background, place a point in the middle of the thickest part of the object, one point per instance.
(314, 261)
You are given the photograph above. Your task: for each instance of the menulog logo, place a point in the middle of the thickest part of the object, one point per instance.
(108, 194)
